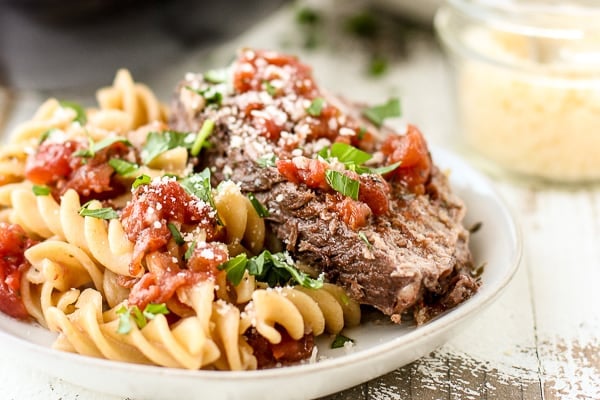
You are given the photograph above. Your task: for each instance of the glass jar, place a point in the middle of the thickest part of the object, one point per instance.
(527, 84)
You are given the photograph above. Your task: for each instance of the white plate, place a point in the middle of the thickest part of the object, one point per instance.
(378, 350)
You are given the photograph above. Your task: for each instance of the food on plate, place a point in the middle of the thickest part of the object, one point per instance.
(227, 233)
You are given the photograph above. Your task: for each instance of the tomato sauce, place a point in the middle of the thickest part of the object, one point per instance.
(13, 243)
(285, 352)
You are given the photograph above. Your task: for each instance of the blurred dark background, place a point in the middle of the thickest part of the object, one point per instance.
(50, 44)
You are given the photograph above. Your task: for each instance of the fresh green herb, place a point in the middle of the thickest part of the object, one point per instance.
(377, 114)
(235, 268)
(210, 94)
(261, 210)
(345, 153)
(342, 183)
(207, 128)
(176, 234)
(100, 213)
(199, 185)
(273, 268)
(364, 238)
(124, 320)
(386, 169)
(361, 133)
(41, 190)
(159, 142)
(139, 317)
(378, 65)
(93, 148)
(271, 90)
(364, 25)
(141, 180)
(307, 16)
(44, 136)
(79, 111)
(340, 340)
(268, 160)
(189, 251)
(216, 76)
(316, 106)
(123, 167)
(153, 309)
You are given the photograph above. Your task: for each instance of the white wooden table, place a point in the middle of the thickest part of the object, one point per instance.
(539, 340)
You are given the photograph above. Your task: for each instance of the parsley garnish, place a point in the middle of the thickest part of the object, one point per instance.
(377, 114)
(207, 128)
(41, 190)
(216, 76)
(140, 317)
(141, 180)
(101, 213)
(378, 65)
(96, 147)
(210, 94)
(267, 160)
(271, 90)
(342, 183)
(199, 185)
(275, 269)
(79, 111)
(159, 142)
(316, 106)
(386, 169)
(176, 234)
(361, 133)
(47, 134)
(345, 153)
(307, 16)
(189, 251)
(122, 167)
(364, 238)
(260, 209)
(340, 340)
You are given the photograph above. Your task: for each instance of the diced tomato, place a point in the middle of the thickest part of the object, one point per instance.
(51, 163)
(305, 170)
(412, 152)
(13, 243)
(353, 213)
(206, 257)
(374, 191)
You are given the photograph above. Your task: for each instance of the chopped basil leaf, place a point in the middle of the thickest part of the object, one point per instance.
(124, 321)
(96, 147)
(41, 190)
(100, 213)
(207, 128)
(378, 66)
(364, 238)
(189, 251)
(79, 111)
(316, 107)
(260, 209)
(363, 25)
(275, 269)
(235, 268)
(340, 340)
(377, 114)
(216, 76)
(342, 183)
(159, 142)
(386, 169)
(199, 185)
(122, 167)
(141, 180)
(271, 90)
(138, 316)
(210, 94)
(361, 133)
(153, 309)
(307, 16)
(268, 160)
(345, 154)
(44, 136)
(176, 234)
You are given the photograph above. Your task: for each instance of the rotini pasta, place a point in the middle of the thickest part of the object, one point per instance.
(125, 249)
